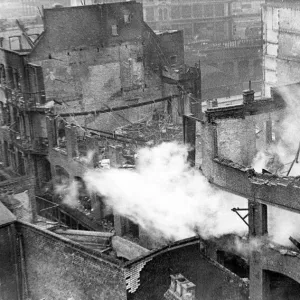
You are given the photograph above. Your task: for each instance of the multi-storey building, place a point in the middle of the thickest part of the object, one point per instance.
(59, 96)
(281, 39)
(20, 8)
(247, 23)
(200, 20)
(10, 9)
(20, 34)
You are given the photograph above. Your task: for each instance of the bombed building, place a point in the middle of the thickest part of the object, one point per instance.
(118, 182)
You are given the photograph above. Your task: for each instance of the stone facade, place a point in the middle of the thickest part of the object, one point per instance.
(281, 53)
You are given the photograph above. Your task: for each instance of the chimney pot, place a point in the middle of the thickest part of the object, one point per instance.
(188, 291)
(248, 97)
(179, 282)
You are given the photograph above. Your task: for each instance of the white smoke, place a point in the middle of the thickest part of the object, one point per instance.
(173, 201)
(166, 197)
(278, 156)
(283, 224)
(69, 193)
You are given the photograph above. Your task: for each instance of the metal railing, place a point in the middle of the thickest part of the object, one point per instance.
(52, 211)
(208, 45)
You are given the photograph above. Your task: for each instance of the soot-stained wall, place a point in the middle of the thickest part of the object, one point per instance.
(211, 279)
(8, 270)
(59, 269)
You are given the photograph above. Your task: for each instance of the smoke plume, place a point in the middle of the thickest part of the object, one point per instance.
(167, 197)
(173, 201)
(278, 156)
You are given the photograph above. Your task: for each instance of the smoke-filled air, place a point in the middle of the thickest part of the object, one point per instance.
(278, 156)
(166, 197)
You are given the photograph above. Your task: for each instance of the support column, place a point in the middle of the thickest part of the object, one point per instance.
(209, 145)
(119, 225)
(268, 136)
(258, 227)
(72, 144)
(189, 137)
(92, 146)
(5, 153)
(50, 125)
(32, 199)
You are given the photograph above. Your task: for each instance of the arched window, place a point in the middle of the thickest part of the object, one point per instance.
(61, 134)
(160, 14)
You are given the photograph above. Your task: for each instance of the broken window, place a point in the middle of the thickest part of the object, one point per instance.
(61, 134)
(16, 79)
(114, 30)
(10, 78)
(36, 84)
(173, 59)
(15, 43)
(2, 74)
(13, 78)
(21, 164)
(127, 18)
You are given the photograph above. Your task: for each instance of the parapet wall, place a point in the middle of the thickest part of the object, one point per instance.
(212, 280)
(59, 269)
(226, 168)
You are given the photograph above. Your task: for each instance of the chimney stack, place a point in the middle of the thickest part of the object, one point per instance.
(248, 95)
(180, 289)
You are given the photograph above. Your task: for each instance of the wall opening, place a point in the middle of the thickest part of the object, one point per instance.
(234, 263)
(282, 287)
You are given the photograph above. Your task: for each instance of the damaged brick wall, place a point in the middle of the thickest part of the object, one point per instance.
(172, 43)
(281, 56)
(236, 139)
(99, 71)
(212, 280)
(59, 269)
(282, 261)
(9, 288)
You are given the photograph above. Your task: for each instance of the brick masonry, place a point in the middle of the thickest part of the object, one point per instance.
(212, 280)
(8, 262)
(59, 269)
